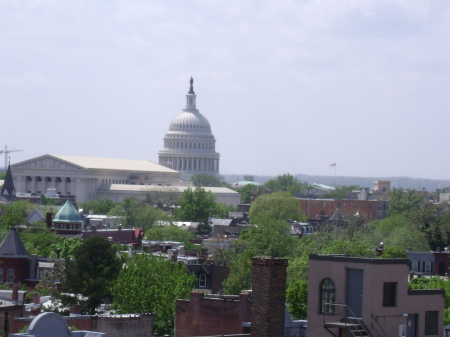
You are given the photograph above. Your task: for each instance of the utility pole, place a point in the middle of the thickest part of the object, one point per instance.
(6, 155)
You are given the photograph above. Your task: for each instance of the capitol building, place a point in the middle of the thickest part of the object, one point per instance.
(189, 145)
(189, 149)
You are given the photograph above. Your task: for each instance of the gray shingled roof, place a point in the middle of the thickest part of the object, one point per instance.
(12, 245)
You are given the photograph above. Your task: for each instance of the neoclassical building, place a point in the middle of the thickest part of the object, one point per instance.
(189, 145)
(86, 178)
(82, 177)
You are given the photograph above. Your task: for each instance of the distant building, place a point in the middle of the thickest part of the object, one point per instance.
(68, 221)
(84, 176)
(189, 145)
(317, 209)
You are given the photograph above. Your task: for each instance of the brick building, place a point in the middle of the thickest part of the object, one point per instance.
(219, 315)
(317, 209)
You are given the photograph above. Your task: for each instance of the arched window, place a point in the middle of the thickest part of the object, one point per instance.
(327, 296)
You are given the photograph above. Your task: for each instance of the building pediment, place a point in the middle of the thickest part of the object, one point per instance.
(46, 162)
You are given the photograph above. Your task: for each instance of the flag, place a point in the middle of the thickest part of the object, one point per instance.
(333, 165)
(168, 162)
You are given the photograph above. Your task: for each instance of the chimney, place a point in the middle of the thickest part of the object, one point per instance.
(37, 298)
(75, 310)
(174, 256)
(48, 219)
(268, 296)
(34, 311)
(15, 293)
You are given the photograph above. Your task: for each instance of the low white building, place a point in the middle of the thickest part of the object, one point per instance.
(87, 178)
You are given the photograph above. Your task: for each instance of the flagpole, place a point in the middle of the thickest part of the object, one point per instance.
(334, 175)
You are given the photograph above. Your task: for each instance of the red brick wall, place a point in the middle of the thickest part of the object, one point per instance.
(316, 208)
(202, 316)
(269, 289)
(18, 264)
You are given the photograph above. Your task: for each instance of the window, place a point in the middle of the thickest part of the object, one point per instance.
(415, 265)
(327, 296)
(428, 267)
(202, 281)
(1, 275)
(390, 294)
(431, 322)
(10, 276)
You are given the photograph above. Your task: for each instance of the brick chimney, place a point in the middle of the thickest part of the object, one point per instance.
(36, 298)
(75, 310)
(48, 220)
(269, 296)
(15, 293)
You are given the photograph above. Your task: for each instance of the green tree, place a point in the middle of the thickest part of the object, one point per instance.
(14, 214)
(247, 192)
(41, 241)
(198, 205)
(92, 271)
(67, 246)
(151, 284)
(297, 298)
(206, 180)
(434, 222)
(276, 206)
(403, 202)
(163, 198)
(268, 238)
(100, 206)
(168, 233)
(341, 192)
(287, 183)
(136, 214)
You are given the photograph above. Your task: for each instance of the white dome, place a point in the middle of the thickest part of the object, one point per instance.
(190, 122)
(189, 145)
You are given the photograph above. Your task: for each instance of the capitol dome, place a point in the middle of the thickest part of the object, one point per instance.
(189, 145)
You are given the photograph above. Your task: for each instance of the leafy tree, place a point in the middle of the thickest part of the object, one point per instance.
(247, 192)
(198, 205)
(151, 284)
(2, 175)
(287, 183)
(46, 201)
(162, 198)
(14, 214)
(402, 202)
(168, 233)
(67, 246)
(398, 232)
(434, 222)
(240, 276)
(92, 271)
(341, 192)
(206, 180)
(41, 241)
(276, 206)
(297, 298)
(100, 206)
(271, 238)
(136, 214)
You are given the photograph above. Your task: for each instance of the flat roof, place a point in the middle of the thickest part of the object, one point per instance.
(152, 188)
(106, 163)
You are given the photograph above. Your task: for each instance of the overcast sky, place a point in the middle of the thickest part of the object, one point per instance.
(287, 86)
